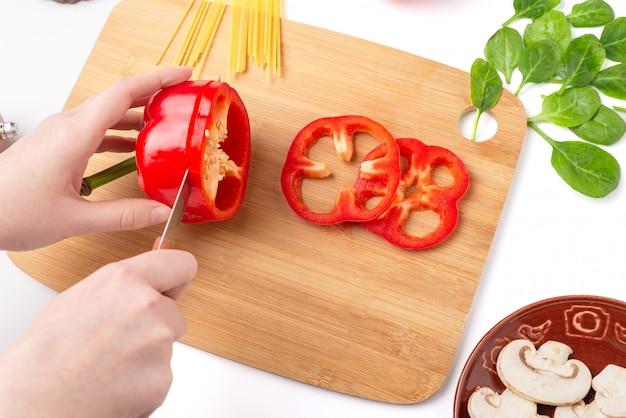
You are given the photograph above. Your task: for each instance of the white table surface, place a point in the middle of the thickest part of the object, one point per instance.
(550, 240)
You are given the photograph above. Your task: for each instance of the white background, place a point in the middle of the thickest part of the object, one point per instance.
(550, 240)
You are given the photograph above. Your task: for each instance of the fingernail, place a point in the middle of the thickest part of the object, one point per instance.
(159, 214)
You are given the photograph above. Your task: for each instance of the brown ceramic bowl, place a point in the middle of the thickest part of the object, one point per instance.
(595, 328)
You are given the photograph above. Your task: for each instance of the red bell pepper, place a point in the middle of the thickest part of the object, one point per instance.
(204, 126)
(421, 161)
(350, 203)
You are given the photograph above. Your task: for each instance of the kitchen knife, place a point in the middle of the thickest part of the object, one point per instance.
(176, 216)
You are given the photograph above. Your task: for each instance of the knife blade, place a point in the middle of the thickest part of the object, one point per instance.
(178, 208)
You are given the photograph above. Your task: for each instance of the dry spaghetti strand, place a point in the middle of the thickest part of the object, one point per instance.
(256, 29)
(275, 57)
(216, 12)
(182, 58)
(178, 26)
(255, 33)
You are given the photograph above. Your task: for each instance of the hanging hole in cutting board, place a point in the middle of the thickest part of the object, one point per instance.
(319, 194)
(487, 125)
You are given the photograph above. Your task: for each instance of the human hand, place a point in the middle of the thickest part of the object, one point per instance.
(103, 347)
(42, 172)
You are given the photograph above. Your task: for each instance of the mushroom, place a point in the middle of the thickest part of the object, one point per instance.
(610, 387)
(484, 402)
(545, 375)
(579, 410)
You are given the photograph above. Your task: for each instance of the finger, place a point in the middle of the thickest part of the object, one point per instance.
(167, 271)
(114, 143)
(118, 215)
(132, 120)
(107, 108)
(138, 102)
(78, 108)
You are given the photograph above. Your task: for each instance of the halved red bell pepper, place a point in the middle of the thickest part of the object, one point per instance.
(425, 194)
(204, 126)
(350, 204)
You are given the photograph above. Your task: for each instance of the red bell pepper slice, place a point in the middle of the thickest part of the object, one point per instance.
(350, 204)
(424, 194)
(202, 126)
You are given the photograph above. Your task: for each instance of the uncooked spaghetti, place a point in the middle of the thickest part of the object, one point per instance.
(254, 33)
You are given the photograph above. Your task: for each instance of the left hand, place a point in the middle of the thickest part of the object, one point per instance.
(42, 172)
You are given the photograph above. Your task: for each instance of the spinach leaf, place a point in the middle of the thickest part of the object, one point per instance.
(551, 25)
(581, 61)
(606, 127)
(569, 108)
(549, 54)
(591, 13)
(485, 89)
(614, 39)
(586, 168)
(530, 9)
(504, 50)
(538, 63)
(612, 81)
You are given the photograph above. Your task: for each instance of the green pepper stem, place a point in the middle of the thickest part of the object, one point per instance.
(107, 175)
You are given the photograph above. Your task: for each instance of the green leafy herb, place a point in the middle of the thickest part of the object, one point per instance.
(551, 25)
(614, 39)
(569, 108)
(586, 168)
(530, 9)
(612, 81)
(485, 89)
(504, 50)
(606, 127)
(538, 63)
(591, 13)
(581, 61)
(548, 54)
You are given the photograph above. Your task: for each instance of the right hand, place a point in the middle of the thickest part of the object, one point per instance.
(103, 347)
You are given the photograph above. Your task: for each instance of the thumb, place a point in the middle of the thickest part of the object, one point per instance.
(122, 215)
(167, 271)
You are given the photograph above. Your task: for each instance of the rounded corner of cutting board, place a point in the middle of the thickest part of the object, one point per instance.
(31, 264)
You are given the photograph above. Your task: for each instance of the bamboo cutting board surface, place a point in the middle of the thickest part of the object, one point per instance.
(335, 307)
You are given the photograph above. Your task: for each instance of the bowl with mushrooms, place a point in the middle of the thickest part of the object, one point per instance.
(562, 357)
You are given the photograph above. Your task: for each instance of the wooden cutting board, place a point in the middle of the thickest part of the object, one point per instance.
(336, 307)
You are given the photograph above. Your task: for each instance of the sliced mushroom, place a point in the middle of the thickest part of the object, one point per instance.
(610, 387)
(484, 402)
(546, 375)
(579, 410)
